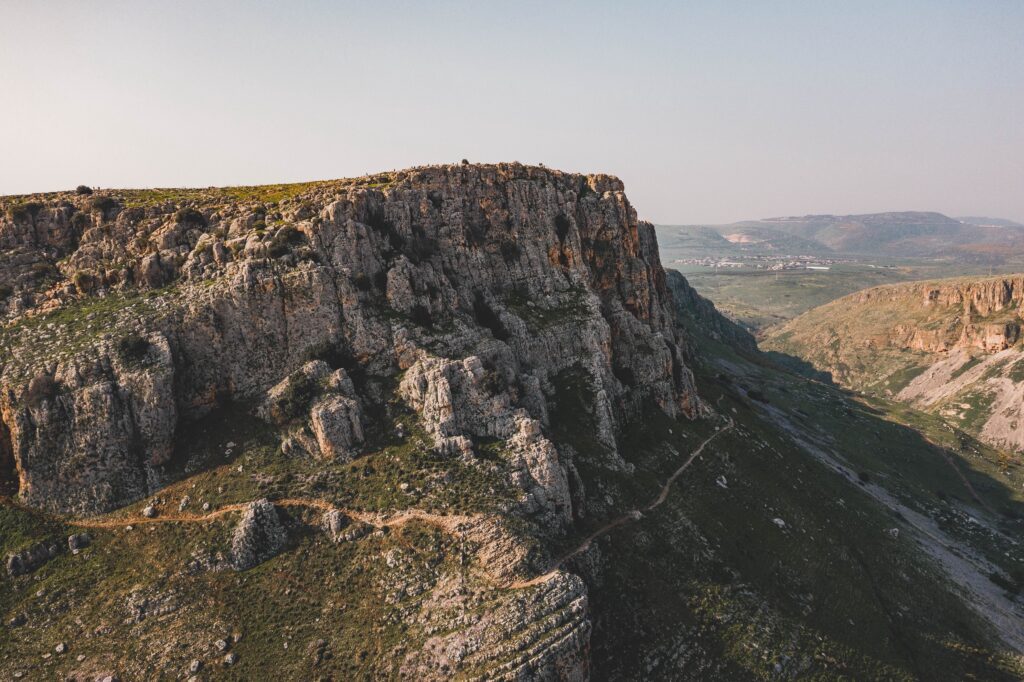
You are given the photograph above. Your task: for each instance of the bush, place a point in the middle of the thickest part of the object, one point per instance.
(80, 221)
(133, 348)
(83, 190)
(296, 398)
(102, 204)
(284, 239)
(5, 291)
(26, 211)
(190, 216)
(41, 389)
(42, 270)
(84, 281)
(421, 316)
(493, 381)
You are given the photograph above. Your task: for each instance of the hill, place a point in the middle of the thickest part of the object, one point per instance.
(951, 347)
(453, 422)
(901, 234)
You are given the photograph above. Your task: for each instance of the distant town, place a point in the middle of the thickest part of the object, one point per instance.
(771, 263)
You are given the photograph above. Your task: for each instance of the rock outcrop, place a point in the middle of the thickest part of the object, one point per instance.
(258, 536)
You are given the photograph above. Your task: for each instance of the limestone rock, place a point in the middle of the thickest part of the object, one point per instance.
(336, 423)
(29, 559)
(258, 536)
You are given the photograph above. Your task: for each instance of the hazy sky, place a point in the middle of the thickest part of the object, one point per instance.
(709, 111)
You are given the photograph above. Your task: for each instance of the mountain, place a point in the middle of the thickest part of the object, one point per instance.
(452, 422)
(905, 234)
(950, 347)
(734, 240)
(990, 222)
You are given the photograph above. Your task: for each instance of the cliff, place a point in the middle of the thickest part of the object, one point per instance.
(460, 293)
(948, 346)
(131, 314)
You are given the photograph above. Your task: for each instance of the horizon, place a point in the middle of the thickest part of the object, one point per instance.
(709, 114)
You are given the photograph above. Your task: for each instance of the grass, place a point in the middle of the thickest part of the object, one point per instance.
(76, 327)
(345, 595)
(830, 596)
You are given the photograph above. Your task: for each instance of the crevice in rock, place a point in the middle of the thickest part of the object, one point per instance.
(9, 480)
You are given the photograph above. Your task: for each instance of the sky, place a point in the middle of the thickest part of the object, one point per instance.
(710, 112)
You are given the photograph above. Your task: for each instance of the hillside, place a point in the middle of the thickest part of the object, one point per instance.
(950, 347)
(453, 422)
(894, 235)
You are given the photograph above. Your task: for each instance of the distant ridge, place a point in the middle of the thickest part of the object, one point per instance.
(901, 234)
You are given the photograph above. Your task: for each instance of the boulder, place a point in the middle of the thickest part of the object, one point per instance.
(259, 536)
(336, 423)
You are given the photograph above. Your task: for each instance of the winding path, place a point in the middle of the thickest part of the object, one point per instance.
(448, 522)
(632, 515)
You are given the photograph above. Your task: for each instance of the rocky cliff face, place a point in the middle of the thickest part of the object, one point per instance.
(460, 292)
(129, 315)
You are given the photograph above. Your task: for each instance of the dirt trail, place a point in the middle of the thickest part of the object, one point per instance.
(451, 523)
(376, 519)
(632, 515)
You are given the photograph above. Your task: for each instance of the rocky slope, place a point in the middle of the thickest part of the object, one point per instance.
(952, 347)
(442, 423)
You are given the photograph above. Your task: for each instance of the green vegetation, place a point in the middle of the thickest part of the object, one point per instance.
(713, 565)
(133, 348)
(570, 305)
(78, 326)
(760, 299)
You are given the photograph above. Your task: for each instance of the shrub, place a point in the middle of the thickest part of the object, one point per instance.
(42, 388)
(421, 316)
(102, 204)
(863, 477)
(41, 270)
(5, 291)
(84, 281)
(284, 239)
(133, 348)
(296, 398)
(493, 381)
(80, 221)
(83, 190)
(190, 216)
(26, 211)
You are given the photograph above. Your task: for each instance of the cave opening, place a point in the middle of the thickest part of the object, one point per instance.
(9, 481)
